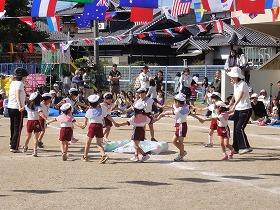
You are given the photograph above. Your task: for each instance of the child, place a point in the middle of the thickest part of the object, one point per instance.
(95, 116)
(222, 128)
(138, 121)
(107, 105)
(33, 125)
(47, 99)
(180, 110)
(215, 97)
(66, 120)
(152, 91)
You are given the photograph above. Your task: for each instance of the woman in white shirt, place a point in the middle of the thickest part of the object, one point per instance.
(16, 103)
(185, 83)
(241, 105)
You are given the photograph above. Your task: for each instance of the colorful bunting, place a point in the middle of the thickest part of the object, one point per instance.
(64, 46)
(168, 32)
(110, 15)
(152, 36)
(180, 7)
(139, 3)
(88, 41)
(180, 29)
(236, 22)
(94, 12)
(43, 8)
(2, 5)
(218, 26)
(202, 27)
(217, 5)
(141, 14)
(53, 23)
(28, 21)
(100, 40)
(141, 35)
(198, 10)
(82, 22)
(251, 6)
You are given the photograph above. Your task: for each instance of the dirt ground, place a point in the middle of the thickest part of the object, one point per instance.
(250, 181)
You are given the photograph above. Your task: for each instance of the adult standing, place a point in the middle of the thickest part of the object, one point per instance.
(241, 105)
(144, 78)
(16, 103)
(232, 60)
(216, 83)
(159, 81)
(114, 77)
(185, 83)
(278, 95)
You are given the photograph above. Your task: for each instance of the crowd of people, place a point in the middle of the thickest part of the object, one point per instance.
(144, 106)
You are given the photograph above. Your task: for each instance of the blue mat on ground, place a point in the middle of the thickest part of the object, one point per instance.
(54, 113)
(276, 124)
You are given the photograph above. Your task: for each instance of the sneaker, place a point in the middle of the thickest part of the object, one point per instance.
(135, 159)
(84, 158)
(230, 156)
(14, 151)
(225, 157)
(153, 139)
(24, 149)
(145, 158)
(35, 154)
(40, 144)
(244, 151)
(208, 145)
(179, 158)
(103, 159)
(64, 156)
(250, 149)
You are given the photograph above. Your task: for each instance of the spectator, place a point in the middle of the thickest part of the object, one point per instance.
(194, 85)
(159, 81)
(258, 108)
(244, 65)
(275, 103)
(114, 77)
(55, 99)
(77, 79)
(263, 97)
(204, 86)
(152, 92)
(177, 83)
(67, 82)
(232, 60)
(278, 95)
(2, 97)
(144, 78)
(160, 98)
(274, 116)
(216, 83)
(130, 97)
(185, 83)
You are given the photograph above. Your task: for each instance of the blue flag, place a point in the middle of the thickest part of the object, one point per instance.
(139, 3)
(94, 12)
(268, 4)
(152, 36)
(82, 22)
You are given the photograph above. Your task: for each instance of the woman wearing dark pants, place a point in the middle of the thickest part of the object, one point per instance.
(241, 105)
(16, 104)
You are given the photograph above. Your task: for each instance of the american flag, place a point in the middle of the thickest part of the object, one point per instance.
(102, 3)
(138, 23)
(180, 7)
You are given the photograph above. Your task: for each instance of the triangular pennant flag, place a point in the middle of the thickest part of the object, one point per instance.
(141, 14)
(202, 27)
(236, 22)
(88, 41)
(152, 36)
(43, 8)
(30, 47)
(110, 15)
(218, 26)
(53, 23)
(28, 21)
(2, 5)
(141, 35)
(168, 32)
(100, 40)
(65, 46)
(43, 46)
(53, 47)
(275, 13)
(180, 29)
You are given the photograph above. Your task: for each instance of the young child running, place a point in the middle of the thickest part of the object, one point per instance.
(215, 97)
(222, 128)
(66, 121)
(33, 125)
(138, 121)
(181, 111)
(46, 101)
(95, 116)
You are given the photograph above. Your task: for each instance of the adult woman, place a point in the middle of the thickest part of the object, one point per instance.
(159, 80)
(16, 103)
(232, 60)
(185, 83)
(241, 105)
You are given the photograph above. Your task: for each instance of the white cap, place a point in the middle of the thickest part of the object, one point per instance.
(93, 98)
(220, 104)
(73, 90)
(216, 94)
(33, 96)
(47, 95)
(254, 95)
(263, 91)
(180, 97)
(139, 105)
(141, 90)
(236, 72)
(55, 85)
(52, 92)
(106, 94)
(195, 78)
(65, 106)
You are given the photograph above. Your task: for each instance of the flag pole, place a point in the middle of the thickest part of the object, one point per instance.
(96, 51)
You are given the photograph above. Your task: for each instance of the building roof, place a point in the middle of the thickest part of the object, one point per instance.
(199, 42)
(55, 36)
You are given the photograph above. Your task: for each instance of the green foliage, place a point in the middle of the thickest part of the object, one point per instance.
(142, 63)
(81, 62)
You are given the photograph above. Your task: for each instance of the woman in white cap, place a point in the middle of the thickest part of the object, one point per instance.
(67, 122)
(33, 109)
(45, 103)
(15, 106)
(138, 121)
(94, 117)
(181, 111)
(241, 105)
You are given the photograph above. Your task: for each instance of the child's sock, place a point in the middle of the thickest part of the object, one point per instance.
(210, 139)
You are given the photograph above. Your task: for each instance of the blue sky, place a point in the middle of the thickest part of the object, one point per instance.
(61, 4)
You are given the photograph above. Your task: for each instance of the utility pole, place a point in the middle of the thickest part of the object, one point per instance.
(96, 46)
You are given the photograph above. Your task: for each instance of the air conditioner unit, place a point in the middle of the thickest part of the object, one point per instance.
(101, 26)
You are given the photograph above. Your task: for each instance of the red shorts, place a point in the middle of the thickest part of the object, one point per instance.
(33, 126)
(65, 134)
(107, 122)
(181, 129)
(138, 134)
(95, 130)
(214, 124)
(223, 132)
(42, 123)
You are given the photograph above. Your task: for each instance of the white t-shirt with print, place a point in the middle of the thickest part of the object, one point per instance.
(148, 104)
(14, 87)
(223, 119)
(139, 120)
(245, 102)
(96, 115)
(144, 80)
(181, 114)
(33, 114)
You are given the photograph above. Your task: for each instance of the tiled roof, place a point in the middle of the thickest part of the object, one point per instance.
(55, 36)
(200, 42)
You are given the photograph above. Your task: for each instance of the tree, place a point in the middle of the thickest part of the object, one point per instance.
(15, 31)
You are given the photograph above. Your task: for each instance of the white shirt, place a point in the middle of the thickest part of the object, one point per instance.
(45, 109)
(223, 119)
(185, 80)
(144, 80)
(245, 102)
(15, 86)
(139, 120)
(96, 115)
(181, 114)
(152, 92)
(33, 114)
(148, 104)
(106, 108)
(211, 108)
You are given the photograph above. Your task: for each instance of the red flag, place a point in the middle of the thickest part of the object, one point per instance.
(251, 6)
(53, 47)
(218, 26)
(141, 14)
(180, 29)
(28, 21)
(30, 48)
(141, 35)
(202, 27)
(236, 22)
(2, 5)
(275, 13)
(180, 7)
(88, 41)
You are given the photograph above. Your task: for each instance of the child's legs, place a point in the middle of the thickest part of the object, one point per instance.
(152, 131)
(107, 131)
(36, 137)
(210, 137)
(137, 147)
(42, 133)
(64, 147)
(227, 144)
(181, 145)
(28, 137)
(100, 146)
(87, 146)
(222, 144)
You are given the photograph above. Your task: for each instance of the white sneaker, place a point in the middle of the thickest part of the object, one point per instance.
(135, 159)
(244, 151)
(178, 158)
(145, 158)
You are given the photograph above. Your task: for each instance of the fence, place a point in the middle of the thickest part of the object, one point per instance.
(129, 74)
